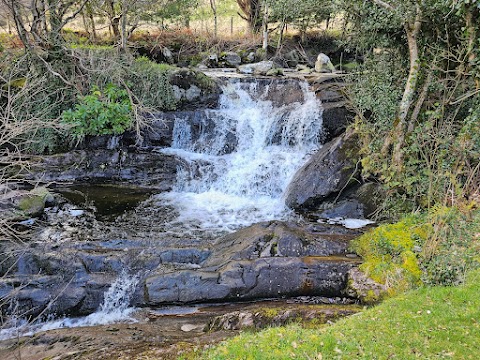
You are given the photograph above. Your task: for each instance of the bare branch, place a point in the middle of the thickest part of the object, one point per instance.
(384, 4)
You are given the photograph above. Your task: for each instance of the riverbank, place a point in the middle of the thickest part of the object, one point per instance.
(428, 323)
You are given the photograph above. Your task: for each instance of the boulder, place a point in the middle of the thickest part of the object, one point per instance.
(364, 288)
(359, 202)
(210, 61)
(194, 89)
(323, 64)
(329, 171)
(149, 169)
(336, 118)
(18, 205)
(230, 59)
(259, 68)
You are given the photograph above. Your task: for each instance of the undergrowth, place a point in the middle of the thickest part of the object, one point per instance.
(433, 248)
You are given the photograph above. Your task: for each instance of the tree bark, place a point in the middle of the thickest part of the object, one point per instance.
(412, 30)
(265, 27)
(213, 6)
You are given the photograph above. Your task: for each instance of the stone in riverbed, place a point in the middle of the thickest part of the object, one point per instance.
(260, 68)
(230, 59)
(364, 288)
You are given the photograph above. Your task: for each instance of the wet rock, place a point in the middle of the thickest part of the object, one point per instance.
(184, 256)
(331, 170)
(364, 288)
(359, 202)
(336, 118)
(265, 260)
(260, 68)
(148, 169)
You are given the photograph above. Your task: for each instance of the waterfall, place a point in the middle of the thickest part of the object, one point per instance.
(237, 160)
(114, 308)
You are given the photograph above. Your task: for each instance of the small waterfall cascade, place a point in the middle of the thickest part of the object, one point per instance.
(114, 308)
(237, 160)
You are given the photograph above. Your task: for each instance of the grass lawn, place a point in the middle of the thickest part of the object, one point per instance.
(429, 323)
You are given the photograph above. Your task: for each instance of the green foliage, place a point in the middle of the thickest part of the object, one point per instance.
(429, 323)
(100, 113)
(440, 137)
(301, 13)
(150, 84)
(389, 254)
(453, 247)
(435, 248)
(172, 10)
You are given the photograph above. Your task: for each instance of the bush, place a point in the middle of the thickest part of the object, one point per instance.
(434, 248)
(107, 112)
(149, 82)
(389, 252)
(453, 247)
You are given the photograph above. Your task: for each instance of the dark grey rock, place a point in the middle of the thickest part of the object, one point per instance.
(360, 202)
(336, 118)
(230, 59)
(264, 260)
(149, 169)
(331, 170)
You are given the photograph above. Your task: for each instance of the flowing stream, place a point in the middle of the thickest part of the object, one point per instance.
(238, 160)
(115, 307)
(235, 165)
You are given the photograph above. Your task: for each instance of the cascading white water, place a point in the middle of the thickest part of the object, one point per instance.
(114, 308)
(239, 160)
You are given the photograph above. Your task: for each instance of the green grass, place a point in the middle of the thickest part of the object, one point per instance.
(428, 323)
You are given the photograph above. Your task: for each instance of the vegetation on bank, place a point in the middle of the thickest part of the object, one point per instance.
(429, 323)
(434, 248)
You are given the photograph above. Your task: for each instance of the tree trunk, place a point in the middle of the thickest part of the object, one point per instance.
(114, 19)
(213, 6)
(265, 28)
(123, 18)
(412, 31)
(280, 38)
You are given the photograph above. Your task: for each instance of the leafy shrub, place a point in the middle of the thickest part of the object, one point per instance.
(100, 113)
(453, 247)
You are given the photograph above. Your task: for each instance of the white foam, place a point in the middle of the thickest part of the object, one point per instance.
(349, 223)
(114, 308)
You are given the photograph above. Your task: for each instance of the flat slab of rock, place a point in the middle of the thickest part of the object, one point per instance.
(262, 261)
